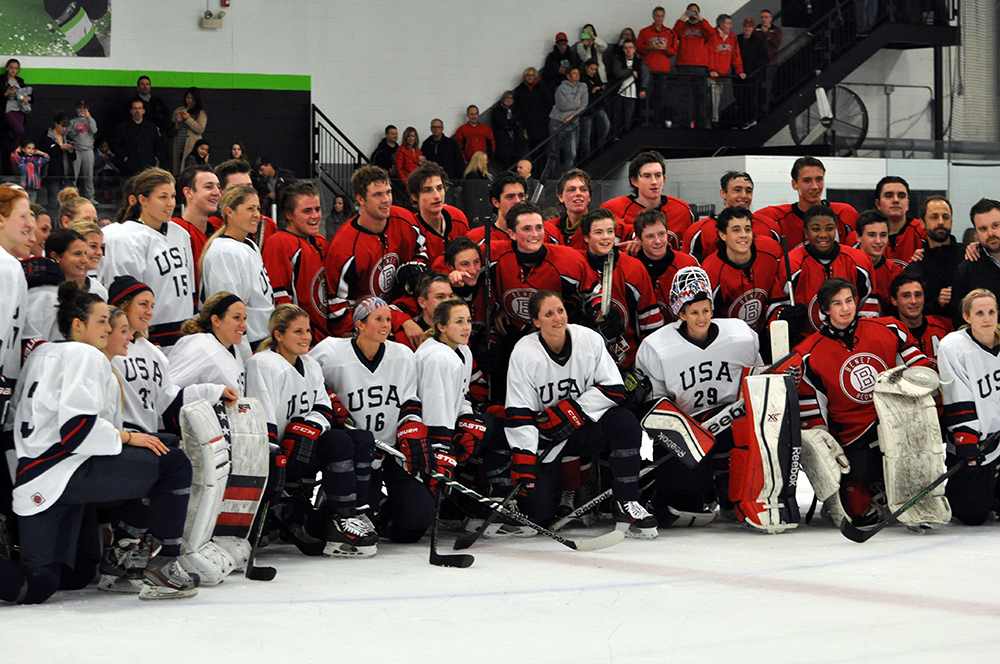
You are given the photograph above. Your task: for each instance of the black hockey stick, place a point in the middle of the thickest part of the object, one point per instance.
(442, 560)
(254, 572)
(855, 534)
(788, 269)
(465, 540)
(589, 544)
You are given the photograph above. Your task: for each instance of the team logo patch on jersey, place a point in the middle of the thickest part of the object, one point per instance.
(318, 292)
(749, 307)
(516, 301)
(383, 276)
(37, 499)
(858, 376)
(815, 319)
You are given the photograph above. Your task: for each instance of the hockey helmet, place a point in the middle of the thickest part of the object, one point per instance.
(689, 283)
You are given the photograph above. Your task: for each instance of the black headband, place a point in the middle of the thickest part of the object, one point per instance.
(220, 307)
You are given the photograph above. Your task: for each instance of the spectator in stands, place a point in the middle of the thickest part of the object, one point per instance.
(571, 101)
(508, 132)
(475, 137)
(532, 103)
(615, 50)
(271, 179)
(341, 211)
(693, 35)
(81, 133)
(61, 158)
(531, 185)
(156, 109)
(941, 255)
(408, 155)
(105, 172)
(17, 97)
(630, 67)
(199, 155)
(656, 44)
(559, 61)
(750, 100)
(384, 155)
(772, 38)
(475, 199)
(236, 151)
(444, 151)
(725, 59)
(190, 121)
(136, 141)
(598, 117)
(592, 47)
(30, 161)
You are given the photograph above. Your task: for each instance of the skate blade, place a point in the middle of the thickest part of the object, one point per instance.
(163, 592)
(344, 550)
(120, 585)
(502, 530)
(634, 532)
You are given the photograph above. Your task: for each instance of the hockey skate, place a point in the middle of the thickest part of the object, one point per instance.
(350, 534)
(123, 564)
(635, 520)
(164, 578)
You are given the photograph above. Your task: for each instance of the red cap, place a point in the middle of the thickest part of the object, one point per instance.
(561, 36)
(748, 22)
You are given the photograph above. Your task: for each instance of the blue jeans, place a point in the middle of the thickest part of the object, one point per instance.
(566, 143)
(588, 142)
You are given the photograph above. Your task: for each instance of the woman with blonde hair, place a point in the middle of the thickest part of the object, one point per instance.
(74, 207)
(232, 262)
(408, 154)
(477, 168)
(969, 364)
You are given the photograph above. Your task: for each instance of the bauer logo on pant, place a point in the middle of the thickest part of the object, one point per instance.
(858, 376)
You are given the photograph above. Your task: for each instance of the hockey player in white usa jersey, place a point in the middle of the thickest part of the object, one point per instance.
(154, 250)
(970, 391)
(16, 224)
(71, 452)
(309, 427)
(232, 262)
(697, 363)
(376, 381)
(564, 396)
(208, 352)
(152, 399)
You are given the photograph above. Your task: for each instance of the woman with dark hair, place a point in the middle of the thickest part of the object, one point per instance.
(510, 135)
(61, 157)
(72, 455)
(66, 259)
(190, 121)
(198, 155)
(408, 154)
(341, 211)
(237, 151)
(18, 104)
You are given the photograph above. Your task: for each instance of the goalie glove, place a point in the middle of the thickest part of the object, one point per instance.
(559, 421)
(299, 442)
(612, 326)
(967, 448)
(408, 274)
(413, 443)
(469, 434)
(796, 316)
(522, 469)
(341, 414)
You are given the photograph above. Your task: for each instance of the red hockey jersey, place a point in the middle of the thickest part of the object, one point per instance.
(885, 272)
(198, 242)
(789, 219)
(296, 267)
(903, 244)
(626, 209)
(809, 273)
(661, 273)
(746, 291)
(701, 238)
(456, 224)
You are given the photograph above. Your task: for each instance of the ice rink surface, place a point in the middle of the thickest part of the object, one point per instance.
(715, 594)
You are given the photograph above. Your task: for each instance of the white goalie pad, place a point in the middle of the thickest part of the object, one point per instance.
(909, 435)
(823, 462)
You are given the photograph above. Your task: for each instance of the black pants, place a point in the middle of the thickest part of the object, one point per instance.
(971, 492)
(408, 510)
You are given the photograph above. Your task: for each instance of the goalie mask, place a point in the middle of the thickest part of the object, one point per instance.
(689, 284)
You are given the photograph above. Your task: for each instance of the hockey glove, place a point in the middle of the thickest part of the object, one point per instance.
(638, 387)
(796, 315)
(559, 421)
(468, 435)
(967, 448)
(522, 469)
(276, 475)
(341, 414)
(299, 443)
(488, 356)
(408, 274)
(444, 464)
(612, 326)
(413, 442)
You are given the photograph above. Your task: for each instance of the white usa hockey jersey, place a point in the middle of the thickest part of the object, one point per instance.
(68, 409)
(381, 393)
(13, 309)
(443, 377)
(152, 401)
(970, 388)
(201, 358)
(288, 390)
(537, 380)
(236, 267)
(161, 260)
(699, 377)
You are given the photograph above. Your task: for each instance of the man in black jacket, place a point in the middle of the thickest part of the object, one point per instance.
(750, 100)
(136, 142)
(445, 151)
(984, 272)
(940, 255)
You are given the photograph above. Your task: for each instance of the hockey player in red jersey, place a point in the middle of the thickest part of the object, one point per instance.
(369, 251)
(506, 190)
(808, 181)
(432, 288)
(437, 222)
(573, 191)
(294, 257)
(646, 174)
(873, 238)
(906, 294)
(200, 187)
(659, 259)
(736, 189)
(906, 236)
(840, 364)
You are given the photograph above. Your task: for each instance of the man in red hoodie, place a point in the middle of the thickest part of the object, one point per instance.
(474, 137)
(725, 58)
(656, 43)
(693, 35)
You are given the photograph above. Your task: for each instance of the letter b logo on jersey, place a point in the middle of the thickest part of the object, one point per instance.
(383, 276)
(858, 376)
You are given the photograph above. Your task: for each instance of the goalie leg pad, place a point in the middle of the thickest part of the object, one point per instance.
(667, 425)
(823, 462)
(912, 446)
(250, 464)
(207, 447)
(764, 463)
(210, 562)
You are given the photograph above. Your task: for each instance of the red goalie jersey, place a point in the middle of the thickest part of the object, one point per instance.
(296, 268)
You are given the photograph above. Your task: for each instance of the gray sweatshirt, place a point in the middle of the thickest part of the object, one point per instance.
(570, 100)
(81, 133)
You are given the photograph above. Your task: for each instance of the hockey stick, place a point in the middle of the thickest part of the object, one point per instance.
(788, 269)
(604, 495)
(252, 571)
(465, 540)
(589, 544)
(442, 560)
(607, 274)
(855, 534)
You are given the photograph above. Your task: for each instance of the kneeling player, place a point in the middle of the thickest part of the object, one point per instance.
(564, 396)
(308, 425)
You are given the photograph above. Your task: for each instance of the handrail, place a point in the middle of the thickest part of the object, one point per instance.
(334, 155)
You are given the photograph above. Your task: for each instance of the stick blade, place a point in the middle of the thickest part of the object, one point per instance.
(855, 534)
(461, 560)
(261, 573)
(601, 541)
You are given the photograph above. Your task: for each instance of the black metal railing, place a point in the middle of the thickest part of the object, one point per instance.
(334, 156)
